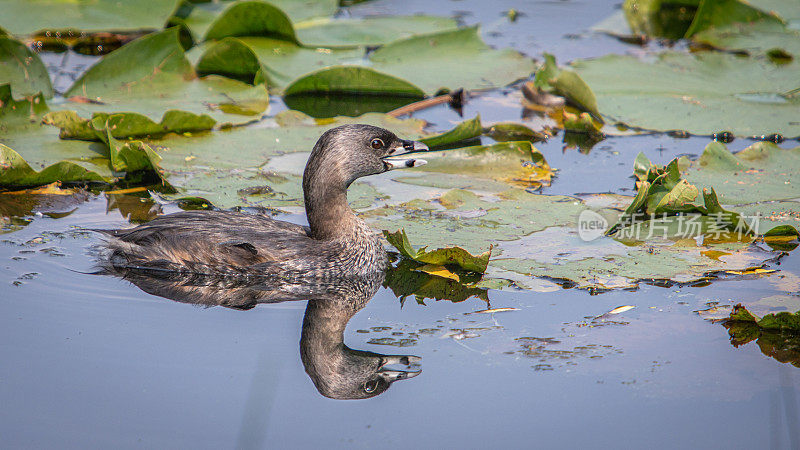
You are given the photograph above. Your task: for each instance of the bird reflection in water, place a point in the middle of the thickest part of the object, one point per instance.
(336, 370)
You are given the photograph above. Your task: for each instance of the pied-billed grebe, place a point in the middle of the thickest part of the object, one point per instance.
(336, 242)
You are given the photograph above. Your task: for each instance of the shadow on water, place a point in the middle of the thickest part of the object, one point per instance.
(336, 370)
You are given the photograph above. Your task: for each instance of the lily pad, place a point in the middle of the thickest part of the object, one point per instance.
(252, 18)
(16, 172)
(464, 219)
(700, 94)
(39, 145)
(608, 264)
(277, 61)
(441, 256)
(761, 172)
(203, 15)
(371, 31)
(516, 163)
(353, 80)
(126, 125)
(451, 60)
(716, 13)
(23, 70)
(22, 17)
(151, 76)
(466, 130)
(416, 66)
(755, 38)
(663, 191)
(566, 83)
(674, 19)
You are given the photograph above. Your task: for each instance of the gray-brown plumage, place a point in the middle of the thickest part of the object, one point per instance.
(336, 242)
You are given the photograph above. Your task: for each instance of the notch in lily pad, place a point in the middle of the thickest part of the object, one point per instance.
(456, 256)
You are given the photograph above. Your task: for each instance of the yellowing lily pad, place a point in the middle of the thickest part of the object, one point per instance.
(439, 257)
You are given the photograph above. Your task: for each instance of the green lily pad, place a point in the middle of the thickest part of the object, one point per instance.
(203, 15)
(256, 188)
(329, 32)
(755, 38)
(451, 60)
(565, 83)
(252, 18)
(127, 125)
(23, 70)
(510, 131)
(716, 13)
(761, 172)
(22, 17)
(151, 75)
(700, 94)
(660, 18)
(21, 129)
(15, 172)
(277, 61)
(354, 80)
(419, 65)
(748, 181)
(441, 256)
(474, 223)
(466, 130)
(609, 264)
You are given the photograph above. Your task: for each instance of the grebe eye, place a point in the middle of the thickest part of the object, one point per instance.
(376, 143)
(370, 386)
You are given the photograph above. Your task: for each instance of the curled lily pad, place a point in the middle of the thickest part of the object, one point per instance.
(15, 172)
(21, 129)
(23, 70)
(441, 256)
(566, 83)
(509, 131)
(151, 76)
(663, 191)
(468, 129)
(126, 125)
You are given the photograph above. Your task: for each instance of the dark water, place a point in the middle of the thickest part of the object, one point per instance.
(93, 362)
